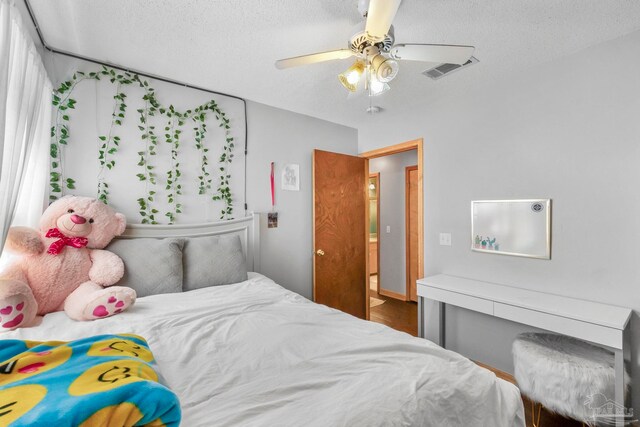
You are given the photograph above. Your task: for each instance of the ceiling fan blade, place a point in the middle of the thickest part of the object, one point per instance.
(439, 53)
(313, 58)
(379, 18)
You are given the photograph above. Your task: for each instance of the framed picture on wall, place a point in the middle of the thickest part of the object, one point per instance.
(291, 177)
(512, 227)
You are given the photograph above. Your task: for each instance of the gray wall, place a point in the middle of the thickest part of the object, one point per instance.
(568, 130)
(392, 268)
(285, 137)
(274, 135)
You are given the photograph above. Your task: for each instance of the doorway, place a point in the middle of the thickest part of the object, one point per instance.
(396, 239)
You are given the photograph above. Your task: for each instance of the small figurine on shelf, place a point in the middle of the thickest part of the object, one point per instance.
(491, 242)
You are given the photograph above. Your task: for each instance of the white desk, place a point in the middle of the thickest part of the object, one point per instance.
(600, 324)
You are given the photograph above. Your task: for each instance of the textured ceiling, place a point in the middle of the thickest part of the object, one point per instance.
(231, 46)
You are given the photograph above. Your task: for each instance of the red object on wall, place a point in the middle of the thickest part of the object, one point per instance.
(273, 188)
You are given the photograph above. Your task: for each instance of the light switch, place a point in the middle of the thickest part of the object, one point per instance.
(445, 239)
(388, 229)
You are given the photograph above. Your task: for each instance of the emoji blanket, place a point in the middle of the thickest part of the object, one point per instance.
(106, 380)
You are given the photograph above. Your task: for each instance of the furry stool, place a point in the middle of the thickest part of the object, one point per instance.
(563, 374)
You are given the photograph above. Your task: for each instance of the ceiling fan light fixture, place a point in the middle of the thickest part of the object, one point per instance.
(384, 68)
(351, 77)
(376, 87)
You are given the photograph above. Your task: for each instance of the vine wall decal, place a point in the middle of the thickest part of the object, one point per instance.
(213, 179)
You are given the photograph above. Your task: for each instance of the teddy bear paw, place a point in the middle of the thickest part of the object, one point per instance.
(12, 313)
(112, 301)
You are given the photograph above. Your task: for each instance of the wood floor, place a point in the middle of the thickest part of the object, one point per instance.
(403, 316)
(394, 313)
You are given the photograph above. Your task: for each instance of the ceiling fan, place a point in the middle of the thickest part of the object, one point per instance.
(376, 54)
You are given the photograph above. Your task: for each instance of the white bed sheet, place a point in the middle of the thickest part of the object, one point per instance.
(255, 354)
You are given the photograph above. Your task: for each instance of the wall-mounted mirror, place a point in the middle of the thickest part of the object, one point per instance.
(512, 227)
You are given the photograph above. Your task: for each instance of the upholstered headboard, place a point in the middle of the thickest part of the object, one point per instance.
(248, 228)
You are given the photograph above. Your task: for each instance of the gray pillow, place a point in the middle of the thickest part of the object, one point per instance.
(213, 261)
(151, 266)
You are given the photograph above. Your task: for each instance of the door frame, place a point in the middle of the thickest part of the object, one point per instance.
(415, 144)
(376, 175)
(407, 192)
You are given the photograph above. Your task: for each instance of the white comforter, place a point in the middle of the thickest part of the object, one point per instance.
(255, 354)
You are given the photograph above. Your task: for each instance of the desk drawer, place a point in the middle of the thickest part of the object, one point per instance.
(454, 298)
(583, 330)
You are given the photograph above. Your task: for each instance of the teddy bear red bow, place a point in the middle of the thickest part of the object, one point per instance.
(56, 247)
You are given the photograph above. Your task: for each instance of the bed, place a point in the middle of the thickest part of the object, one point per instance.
(255, 354)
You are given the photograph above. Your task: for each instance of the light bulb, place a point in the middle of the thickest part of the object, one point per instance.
(385, 69)
(351, 77)
(377, 87)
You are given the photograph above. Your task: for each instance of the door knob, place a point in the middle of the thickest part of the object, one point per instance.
(320, 252)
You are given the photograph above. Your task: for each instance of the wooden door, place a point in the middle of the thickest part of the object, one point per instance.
(411, 228)
(341, 232)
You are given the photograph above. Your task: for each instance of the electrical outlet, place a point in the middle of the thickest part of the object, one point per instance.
(388, 229)
(445, 239)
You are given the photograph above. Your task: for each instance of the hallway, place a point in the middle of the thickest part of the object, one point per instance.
(394, 313)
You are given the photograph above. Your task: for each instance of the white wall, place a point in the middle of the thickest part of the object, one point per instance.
(274, 135)
(568, 130)
(393, 271)
(285, 137)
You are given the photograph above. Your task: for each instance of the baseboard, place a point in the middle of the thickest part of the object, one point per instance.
(500, 374)
(391, 294)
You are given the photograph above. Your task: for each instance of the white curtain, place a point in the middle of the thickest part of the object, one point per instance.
(25, 121)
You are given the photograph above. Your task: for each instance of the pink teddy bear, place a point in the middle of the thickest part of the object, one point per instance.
(63, 266)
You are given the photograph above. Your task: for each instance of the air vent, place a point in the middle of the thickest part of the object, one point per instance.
(445, 69)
